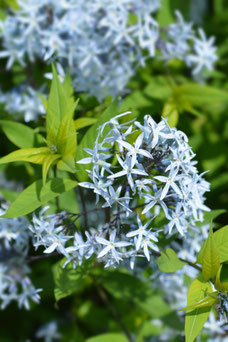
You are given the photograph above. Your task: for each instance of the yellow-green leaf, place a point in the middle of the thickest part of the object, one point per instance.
(67, 84)
(19, 134)
(84, 122)
(221, 240)
(32, 155)
(109, 337)
(37, 195)
(67, 163)
(49, 160)
(60, 103)
(211, 262)
(169, 262)
(208, 301)
(66, 139)
(221, 282)
(198, 95)
(171, 112)
(195, 319)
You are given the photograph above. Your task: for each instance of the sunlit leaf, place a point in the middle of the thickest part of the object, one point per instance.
(19, 134)
(115, 337)
(84, 122)
(50, 159)
(68, 280)
(169, 262)
(195, 319)
(211, 262)
(37, 194)
(32, 155)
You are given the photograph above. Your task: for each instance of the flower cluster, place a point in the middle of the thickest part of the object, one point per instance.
(156, 169)
(223, 305)
(180, 38)
(22, 101)
(15, 283)
(102, 42)
(49, 332)
(50, 231)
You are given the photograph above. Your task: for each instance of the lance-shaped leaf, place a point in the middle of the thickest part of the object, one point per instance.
(117, 337)
(37, 195)
(84, 122)
(169, 262)
(67, 84)
(66, 139)
(60, 104)
(19, 134)
(211, 262)
(171, 112)
(221, 241)
(221, 282)
(206, 302)
(49, 160)
(198, 95)
(32, 155)
(195, 319)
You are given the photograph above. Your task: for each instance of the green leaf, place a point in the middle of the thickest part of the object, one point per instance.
(169, 262)
(198, 95)
(21, 135)
(210, 216)
(211, 262)
(221, 241)
(68, 280)
(159, 88)
(206, 302)
(66, 139)
(32, 155)
(170, 111)
(224, 277)
(66, 164)
(195, 319)
(126, 287)
(84, 122)
(218, 284)
(49, 160)
(60, 104)
(90, 137)
(67, 85)
(112, 337)
(37, 195)
(9, 195)
(165, 15)
(182, 6)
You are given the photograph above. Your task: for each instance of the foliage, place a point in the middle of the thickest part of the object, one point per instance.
(181, 289)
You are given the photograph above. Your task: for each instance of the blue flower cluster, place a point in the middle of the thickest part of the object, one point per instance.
(102, 42)
(157, 170)
(15, 283)
(22, 102)
(223, 306)
(49, 332)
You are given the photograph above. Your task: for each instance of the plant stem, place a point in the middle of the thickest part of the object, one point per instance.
(85, 212)
(112, 309)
